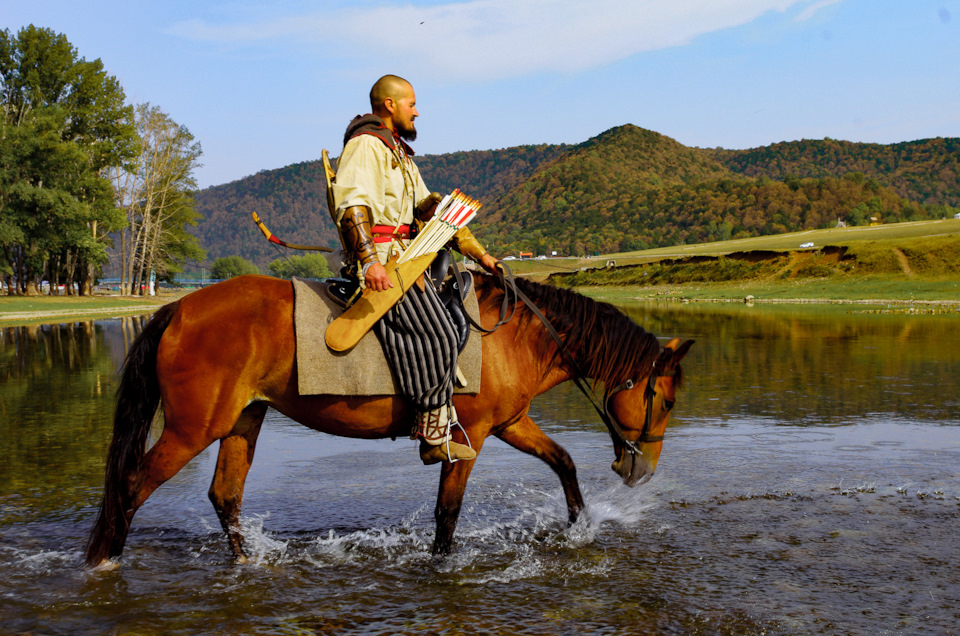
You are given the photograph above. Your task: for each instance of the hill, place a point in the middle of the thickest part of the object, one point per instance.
(925, 171)
(624, 190)
(631, 189)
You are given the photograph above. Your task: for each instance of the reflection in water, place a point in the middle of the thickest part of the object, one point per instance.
(56, 388)
(813, 364)
(809, 485)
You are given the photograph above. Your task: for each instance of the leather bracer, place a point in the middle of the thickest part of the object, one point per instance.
(465, 243)
(357, 234)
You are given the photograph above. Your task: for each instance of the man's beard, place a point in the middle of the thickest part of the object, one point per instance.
(407, 134)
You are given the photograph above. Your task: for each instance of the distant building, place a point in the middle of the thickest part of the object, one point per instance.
(957, 215)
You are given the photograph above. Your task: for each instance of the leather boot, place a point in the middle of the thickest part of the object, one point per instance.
(435, 442)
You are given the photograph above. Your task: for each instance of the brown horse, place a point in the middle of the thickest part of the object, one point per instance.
(217, 358)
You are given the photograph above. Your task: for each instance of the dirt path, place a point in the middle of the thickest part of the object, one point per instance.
(904, 263)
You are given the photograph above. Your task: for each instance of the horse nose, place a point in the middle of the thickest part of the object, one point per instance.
(634, 469)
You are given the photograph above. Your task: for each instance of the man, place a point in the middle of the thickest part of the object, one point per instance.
(379, 196)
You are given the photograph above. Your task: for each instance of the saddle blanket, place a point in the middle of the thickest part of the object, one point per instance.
(363, 370)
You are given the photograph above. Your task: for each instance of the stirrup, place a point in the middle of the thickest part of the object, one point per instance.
(449, 451)
(436, 445)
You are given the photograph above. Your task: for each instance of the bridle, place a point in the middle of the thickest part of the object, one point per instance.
(603, 410)
(649, 393)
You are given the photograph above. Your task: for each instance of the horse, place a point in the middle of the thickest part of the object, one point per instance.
(217, 358)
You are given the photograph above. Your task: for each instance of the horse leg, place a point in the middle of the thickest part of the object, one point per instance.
(526, 436)
(233, 464)
(453, 483)
(171, 453)
(191, 423)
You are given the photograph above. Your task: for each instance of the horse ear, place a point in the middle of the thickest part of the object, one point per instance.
(682, 351)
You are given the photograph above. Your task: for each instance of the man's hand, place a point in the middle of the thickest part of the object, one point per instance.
(428, 206)
(376, 278)
(489, 263)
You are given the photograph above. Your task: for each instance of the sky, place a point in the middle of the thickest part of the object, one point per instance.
(262, 85)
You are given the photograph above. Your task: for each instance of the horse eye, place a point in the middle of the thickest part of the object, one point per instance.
(668, 404)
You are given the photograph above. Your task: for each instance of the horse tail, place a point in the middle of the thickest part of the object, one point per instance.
(138, 397)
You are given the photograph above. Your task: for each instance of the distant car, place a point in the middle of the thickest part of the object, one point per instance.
(509, 258)
(807, 244)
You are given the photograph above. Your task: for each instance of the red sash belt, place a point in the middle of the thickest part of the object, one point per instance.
(387, 233)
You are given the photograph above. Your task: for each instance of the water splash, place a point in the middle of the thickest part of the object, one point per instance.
(261, 548)
(44, 561)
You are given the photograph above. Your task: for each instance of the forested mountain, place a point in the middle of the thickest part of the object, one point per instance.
(626, 189)
(632, 189)
(925, 171)
(485, 174)
(291, 201)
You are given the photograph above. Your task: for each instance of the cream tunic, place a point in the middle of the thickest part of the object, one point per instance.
(387, 182)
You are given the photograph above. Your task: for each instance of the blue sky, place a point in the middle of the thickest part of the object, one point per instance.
(262, 85)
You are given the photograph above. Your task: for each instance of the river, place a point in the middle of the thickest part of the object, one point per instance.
(809, 484)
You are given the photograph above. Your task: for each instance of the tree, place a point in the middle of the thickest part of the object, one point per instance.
(230, 266)
(62, 123)
(306, 266)
(156, 192)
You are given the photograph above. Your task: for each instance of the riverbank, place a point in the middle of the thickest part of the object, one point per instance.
(24, 310)
(920, 271)
(865, 291)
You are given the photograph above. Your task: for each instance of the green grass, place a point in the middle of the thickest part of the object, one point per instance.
(21, 304)
(850, 237)
(908, 261)
(861, 289)
(792, 240)
(23, 310)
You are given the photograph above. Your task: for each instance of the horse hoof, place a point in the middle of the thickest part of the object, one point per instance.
(106, 566)
(242, 560)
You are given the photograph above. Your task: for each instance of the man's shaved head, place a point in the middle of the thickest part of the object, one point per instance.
(393, 100)
(388, 86)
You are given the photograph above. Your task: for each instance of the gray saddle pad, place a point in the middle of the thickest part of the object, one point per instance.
(363, 370)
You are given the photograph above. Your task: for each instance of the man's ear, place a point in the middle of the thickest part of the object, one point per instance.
(390, 105)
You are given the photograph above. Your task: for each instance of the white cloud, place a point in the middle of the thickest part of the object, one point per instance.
(494, 39)
(808, 13)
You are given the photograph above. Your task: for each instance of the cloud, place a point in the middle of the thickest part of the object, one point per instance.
(808, 12)
(496, 39)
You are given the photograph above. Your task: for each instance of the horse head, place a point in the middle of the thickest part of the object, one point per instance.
(638, 444)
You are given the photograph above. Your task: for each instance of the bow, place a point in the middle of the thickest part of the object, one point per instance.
(273, 239)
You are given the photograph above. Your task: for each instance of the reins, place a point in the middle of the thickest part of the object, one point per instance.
(603, 410)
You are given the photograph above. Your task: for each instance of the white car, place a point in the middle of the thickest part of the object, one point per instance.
(807, 244)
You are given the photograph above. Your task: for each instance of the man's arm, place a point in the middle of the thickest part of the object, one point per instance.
(358, 235)
(465, 243)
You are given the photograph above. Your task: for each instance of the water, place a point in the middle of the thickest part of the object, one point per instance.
(808, 484)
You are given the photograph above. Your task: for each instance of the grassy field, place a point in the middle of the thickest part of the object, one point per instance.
(18, 310)
(791, 241)
(910, 262)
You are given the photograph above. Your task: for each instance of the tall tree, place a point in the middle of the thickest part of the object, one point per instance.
(156, 192)
(62, 123)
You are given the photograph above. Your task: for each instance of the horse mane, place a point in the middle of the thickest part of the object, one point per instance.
(607, 345)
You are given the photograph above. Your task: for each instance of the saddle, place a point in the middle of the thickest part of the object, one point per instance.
(363, 370)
